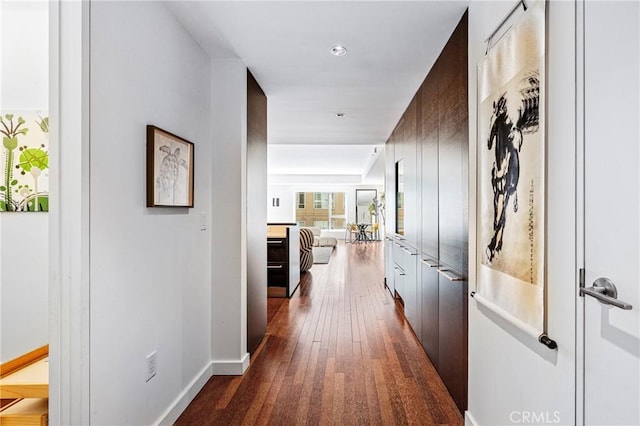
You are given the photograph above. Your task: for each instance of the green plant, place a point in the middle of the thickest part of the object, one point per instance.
(10, 133)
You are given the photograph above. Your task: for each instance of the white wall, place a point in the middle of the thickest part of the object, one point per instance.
(508, 371)
(24, 257)
(150, 267)
(285, 212)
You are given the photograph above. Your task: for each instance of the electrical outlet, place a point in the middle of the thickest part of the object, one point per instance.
(152, 364)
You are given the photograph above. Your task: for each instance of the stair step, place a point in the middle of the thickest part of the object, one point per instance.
(31, 381)
(26, 412)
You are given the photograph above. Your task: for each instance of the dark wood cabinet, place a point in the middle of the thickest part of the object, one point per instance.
(453, 212)
(283, 259)
(453, 150)
(429, 303)
(432, 138)
(429, 160)
(452, 342)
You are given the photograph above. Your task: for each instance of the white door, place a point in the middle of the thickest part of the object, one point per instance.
(611, 210)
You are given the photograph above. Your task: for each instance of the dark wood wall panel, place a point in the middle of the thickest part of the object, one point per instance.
(434, 130)
(256, 213)
(453, 166)
(411, 173)
(429, 157)
(453, 125)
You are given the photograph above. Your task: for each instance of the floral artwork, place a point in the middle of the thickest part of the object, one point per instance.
(24, 177)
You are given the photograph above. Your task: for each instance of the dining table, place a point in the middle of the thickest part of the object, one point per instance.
(362, 236)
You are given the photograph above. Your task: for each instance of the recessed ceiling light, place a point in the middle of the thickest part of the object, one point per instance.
(341, 114)
(338, 50)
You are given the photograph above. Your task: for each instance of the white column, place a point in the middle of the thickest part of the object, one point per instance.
(229, 251)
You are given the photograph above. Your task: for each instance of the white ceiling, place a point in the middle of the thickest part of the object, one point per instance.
(391, 46)
(320, 159)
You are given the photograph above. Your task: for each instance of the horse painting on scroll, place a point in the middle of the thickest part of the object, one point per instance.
(505, 138)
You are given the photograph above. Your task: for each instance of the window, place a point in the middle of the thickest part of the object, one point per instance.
(328, 209)
(322, 224)
(320, 200)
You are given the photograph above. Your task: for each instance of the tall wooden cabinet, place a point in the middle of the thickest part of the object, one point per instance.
(431, 256)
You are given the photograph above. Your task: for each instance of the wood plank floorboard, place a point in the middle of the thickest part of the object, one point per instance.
(338, 352)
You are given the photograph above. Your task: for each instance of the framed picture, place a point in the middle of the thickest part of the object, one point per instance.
(24, 171)
(511, 168)
(169, 169)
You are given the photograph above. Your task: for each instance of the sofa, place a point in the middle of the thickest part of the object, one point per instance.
(322, 241)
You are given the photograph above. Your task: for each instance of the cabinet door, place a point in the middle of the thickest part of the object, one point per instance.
(429, 308)
(390, 186)
(410, 294)
(277, 274)
(277, 250)
(453, 146)
(398, 281)
(452, 342)
(411, 178)
(388, 264)
(429, 159)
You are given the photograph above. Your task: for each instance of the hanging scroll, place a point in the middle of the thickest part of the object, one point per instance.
(511, 174)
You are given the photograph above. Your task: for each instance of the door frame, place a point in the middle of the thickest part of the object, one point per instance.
(69, 238)
(580, 212)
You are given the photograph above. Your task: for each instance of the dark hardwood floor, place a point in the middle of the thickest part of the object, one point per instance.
(338, 352)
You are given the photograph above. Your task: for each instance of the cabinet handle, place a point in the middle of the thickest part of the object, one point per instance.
(450, 275)
(398, 245)
(274, 241)
(274, 266)
(430, 263)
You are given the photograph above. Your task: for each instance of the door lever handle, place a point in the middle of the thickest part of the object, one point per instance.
(605, 291)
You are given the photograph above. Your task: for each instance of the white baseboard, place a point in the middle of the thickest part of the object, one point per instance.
(469, 420)
(176, 408)
(230, 367)
(214, 368)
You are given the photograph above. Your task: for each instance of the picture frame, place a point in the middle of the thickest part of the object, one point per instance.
(170, 164)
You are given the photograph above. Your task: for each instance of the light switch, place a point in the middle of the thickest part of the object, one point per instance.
(204, 221)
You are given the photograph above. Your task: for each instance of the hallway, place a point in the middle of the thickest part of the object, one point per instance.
(337, 352)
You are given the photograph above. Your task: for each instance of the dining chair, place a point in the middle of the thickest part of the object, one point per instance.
(350, 230)
(373, 232)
